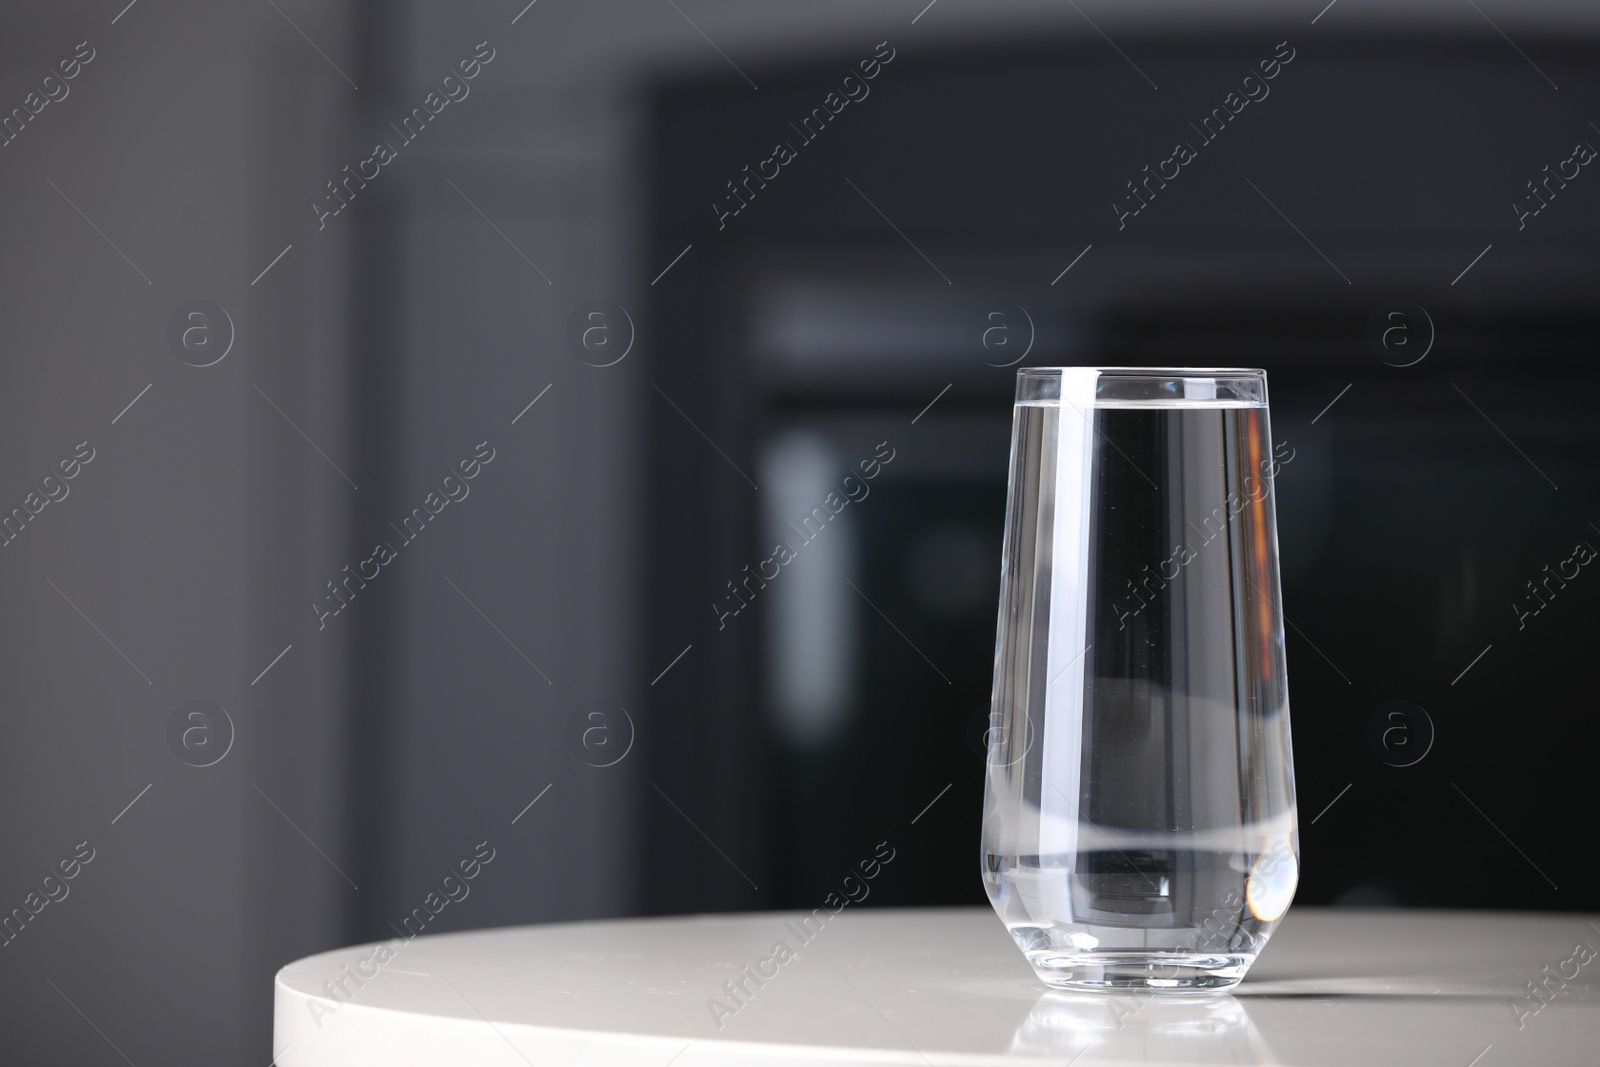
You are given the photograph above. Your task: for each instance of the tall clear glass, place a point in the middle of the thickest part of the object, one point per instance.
(1139, 826)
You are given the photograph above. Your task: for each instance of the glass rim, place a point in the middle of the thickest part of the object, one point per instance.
(1141, 387)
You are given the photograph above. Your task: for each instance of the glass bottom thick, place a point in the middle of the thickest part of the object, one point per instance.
(1164, 972)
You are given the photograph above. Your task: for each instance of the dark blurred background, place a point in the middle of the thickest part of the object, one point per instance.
(555, 265)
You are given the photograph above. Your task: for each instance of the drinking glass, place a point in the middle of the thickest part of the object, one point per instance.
(1139, 827)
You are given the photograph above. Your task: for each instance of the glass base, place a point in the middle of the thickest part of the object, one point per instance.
(1164, 972)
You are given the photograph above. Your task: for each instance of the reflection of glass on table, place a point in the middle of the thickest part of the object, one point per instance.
(1212, 1029)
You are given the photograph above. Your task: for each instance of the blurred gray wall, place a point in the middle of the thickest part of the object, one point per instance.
(173, 567)
(377, 352)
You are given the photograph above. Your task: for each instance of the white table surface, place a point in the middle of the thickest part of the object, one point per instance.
(946, 986)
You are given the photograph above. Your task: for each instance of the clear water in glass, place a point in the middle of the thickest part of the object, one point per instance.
(1139, 819)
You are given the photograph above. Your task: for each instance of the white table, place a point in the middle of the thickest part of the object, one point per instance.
(947, 986)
